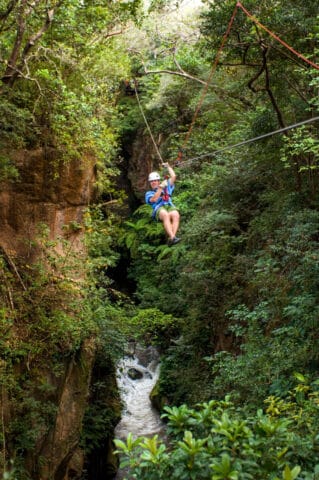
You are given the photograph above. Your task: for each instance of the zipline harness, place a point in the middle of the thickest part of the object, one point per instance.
(205, 89)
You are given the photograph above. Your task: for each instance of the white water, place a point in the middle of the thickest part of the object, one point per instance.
(138, 415)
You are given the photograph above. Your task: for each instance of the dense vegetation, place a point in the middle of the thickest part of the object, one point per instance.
(243, 283)
(234, 306)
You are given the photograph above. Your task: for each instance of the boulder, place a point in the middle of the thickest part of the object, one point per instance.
(134, 373)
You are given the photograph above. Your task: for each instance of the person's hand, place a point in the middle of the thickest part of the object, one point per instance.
(163, 184)
(165, 165)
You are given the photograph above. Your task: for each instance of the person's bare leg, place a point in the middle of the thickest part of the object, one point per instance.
(174, 217)
(164, 216)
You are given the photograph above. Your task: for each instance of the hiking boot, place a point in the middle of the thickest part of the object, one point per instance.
(175, 240)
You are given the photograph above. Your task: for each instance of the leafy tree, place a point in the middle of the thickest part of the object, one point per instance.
(59, 78)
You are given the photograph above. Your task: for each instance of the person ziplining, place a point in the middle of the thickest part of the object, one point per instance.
(160, 199)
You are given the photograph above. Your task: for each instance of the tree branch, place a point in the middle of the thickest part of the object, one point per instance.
(186, 75)
(174, 72)
(4, 15)
(105, 35)
(13, 71)
(267, 87)
(12, 265)
(10, 70)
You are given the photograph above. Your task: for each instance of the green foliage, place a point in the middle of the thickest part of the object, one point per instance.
(103, 410)
(265, 362)
(179, 418)
(17, 121)
(151, 326)
(217, 440)
(7, 169)
(101, 234)
(136, 231)
(59, 84)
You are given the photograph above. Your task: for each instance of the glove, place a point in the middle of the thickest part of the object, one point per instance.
(163, 184)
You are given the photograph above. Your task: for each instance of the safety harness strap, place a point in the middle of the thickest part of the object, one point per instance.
(165, 200)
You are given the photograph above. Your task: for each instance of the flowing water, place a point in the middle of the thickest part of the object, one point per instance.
(136, 376)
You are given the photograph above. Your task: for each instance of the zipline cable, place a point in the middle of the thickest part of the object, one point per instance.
(280, 130)
(146, 123)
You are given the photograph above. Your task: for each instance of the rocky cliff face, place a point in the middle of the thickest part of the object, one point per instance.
(142, 159)
(55, 194)
(47, 192)
(61, 457)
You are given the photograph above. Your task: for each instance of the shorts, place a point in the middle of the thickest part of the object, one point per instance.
(168, 208)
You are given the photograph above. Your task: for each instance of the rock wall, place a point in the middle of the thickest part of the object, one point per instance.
(49, 192)
(52, 193)
(141, 160)
(61, 457)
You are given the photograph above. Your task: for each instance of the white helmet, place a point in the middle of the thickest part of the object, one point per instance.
(154, 176)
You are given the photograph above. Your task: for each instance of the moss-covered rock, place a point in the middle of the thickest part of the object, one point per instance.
(158, 400)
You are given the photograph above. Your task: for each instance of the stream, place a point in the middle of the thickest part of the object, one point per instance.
(137, 374)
